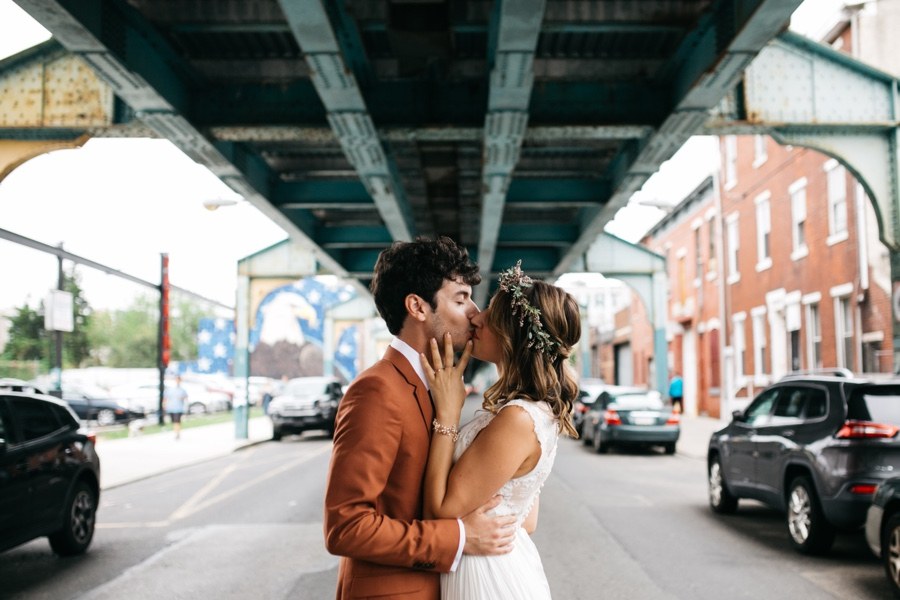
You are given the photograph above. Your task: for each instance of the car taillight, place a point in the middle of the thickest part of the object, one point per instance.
(673, 420)
(612, 418)
(92, 437)
(863, 489)
(855, 430)
(582, 408)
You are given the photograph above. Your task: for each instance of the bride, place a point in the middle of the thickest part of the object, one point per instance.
(528, 331)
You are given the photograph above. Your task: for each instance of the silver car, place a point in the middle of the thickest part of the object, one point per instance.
(627, 416)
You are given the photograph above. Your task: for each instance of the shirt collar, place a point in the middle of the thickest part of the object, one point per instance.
(412, 356)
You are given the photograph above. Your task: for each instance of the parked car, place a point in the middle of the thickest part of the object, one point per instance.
(628, 416)
(145, 397)
(814, 447)
(883, 529)
(92, 403)
(305, 403)
(12, 384)
(589, 390)
(50, 483)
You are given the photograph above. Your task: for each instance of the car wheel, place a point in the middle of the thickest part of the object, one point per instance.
(670, 448)
(598, 444)
(584, 438)
(808, 530)
(106, 417)
(196, 408)
(720, 499)
(276, 435)
(78, 528)
(890, 551)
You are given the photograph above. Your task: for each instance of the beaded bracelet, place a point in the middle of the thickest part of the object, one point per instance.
(450, 431)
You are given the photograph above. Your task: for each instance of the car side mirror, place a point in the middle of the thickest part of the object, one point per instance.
(737, 415)
(2, 446)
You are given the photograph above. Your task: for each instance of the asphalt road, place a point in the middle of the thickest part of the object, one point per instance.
(624, 525)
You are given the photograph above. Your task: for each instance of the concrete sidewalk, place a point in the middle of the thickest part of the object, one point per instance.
(130, 459)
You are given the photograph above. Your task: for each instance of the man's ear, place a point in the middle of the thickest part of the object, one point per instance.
(416, 307)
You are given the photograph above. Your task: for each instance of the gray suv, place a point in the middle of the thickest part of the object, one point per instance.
(814, 447)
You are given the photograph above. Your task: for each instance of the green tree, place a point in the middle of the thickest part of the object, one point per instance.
(76, 345)
(129, 337)
(27, 337)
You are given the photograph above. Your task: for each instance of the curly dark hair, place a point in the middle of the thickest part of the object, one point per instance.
(419, 267)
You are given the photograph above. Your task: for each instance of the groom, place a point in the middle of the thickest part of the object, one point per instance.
(373, 500)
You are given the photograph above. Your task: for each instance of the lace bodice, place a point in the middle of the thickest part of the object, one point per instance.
(520, 493)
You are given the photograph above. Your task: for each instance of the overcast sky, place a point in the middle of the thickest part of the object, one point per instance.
(122, 202)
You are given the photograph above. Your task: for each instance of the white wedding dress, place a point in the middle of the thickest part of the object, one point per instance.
(518, 575)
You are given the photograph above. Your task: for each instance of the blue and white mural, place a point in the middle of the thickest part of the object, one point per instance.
(288, 336)
(215, 348)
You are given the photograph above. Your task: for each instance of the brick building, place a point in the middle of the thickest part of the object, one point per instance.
(774, 266)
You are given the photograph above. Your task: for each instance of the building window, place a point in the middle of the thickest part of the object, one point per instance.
(798, 219)
(760, 152)
(698, 256)
(837, 201)
(711, 265)
(843, 326)
(759, 344)
(814, 336)
(763, 232)
(730, 145)
(740, 348)
(734, 237)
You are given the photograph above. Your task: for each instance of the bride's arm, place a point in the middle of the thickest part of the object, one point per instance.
(507, 447)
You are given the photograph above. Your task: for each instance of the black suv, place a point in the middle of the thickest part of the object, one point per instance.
(49, 474)
(815, 447)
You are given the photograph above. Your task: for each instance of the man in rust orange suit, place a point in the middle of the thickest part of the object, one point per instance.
(373, 502)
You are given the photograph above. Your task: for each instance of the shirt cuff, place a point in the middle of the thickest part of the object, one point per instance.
(462, 544)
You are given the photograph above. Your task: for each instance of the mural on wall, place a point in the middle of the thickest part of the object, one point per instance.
(215, 348)
(287, 337)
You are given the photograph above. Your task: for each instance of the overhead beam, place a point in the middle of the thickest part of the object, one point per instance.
(141, 69)
(518, 25)
(348, 116)
(705, 68)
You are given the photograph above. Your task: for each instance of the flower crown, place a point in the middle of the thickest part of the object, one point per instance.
(513, 281)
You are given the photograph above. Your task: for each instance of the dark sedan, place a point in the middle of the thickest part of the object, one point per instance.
(883, 529)
(625, 416)
(94, 404)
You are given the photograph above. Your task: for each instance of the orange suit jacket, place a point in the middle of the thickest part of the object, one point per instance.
(373, 501)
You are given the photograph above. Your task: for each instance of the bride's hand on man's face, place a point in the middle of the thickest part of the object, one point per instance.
(446, 379)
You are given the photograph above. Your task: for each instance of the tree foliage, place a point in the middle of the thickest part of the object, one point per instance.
(27, 338)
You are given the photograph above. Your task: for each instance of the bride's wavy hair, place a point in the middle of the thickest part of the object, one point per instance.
(528, 371)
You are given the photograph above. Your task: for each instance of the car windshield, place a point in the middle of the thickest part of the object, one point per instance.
(636, 401)
(306, 386)
(880, 404)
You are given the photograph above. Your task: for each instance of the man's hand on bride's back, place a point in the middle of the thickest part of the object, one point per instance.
(488, 534)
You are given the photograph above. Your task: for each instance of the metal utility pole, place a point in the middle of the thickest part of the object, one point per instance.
(163, 341)
(58, 334)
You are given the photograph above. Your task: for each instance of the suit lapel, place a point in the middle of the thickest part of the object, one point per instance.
(418, 391)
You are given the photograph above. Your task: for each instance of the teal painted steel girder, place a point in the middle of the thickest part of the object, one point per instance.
(705, 68)
(518, 25)
(352, 191)
(348, 116)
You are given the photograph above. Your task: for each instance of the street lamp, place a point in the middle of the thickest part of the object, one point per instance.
(215, 203)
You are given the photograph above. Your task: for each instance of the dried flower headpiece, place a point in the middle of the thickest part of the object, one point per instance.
(513, 281)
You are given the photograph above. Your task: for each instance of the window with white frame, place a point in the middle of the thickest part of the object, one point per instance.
(698, 256)
(813, 336)
(759, 342)
(711, 261)
(760, 152)
(740, 346)
(797, 191)
(730, 157)
(837, 200)
(733, 235)
(843, 326)
(763, 231)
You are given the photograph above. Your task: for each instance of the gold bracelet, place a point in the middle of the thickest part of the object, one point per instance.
(452, 432)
